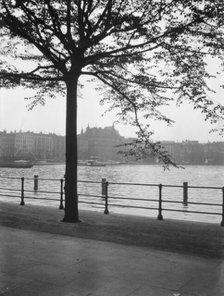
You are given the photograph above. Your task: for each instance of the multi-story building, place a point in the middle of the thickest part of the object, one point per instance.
(99, 142)
(58, 148)
(103, 144)
(43, 146)
(7, 145)
(24, 145)
(29, 145)
(83, 146)
(214, 153)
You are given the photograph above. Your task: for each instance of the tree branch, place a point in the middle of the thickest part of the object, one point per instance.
(28, 76)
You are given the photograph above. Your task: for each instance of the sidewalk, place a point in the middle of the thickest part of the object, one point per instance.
(107, 255)
(194, 238)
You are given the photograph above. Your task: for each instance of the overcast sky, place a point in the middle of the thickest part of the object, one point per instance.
(14, 115)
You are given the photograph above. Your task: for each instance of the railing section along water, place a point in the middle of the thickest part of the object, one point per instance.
(155, 200)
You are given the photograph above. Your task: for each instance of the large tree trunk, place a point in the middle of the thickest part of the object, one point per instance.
(71, 195)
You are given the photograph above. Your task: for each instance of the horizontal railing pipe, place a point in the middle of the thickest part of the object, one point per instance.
(105, 199)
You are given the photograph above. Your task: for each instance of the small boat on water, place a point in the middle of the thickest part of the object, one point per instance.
(93, 162)
(44, 162)
(20, 164)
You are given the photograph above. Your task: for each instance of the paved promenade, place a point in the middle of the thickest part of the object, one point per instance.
(107, 255)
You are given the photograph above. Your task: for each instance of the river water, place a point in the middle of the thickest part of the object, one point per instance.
(201, 176)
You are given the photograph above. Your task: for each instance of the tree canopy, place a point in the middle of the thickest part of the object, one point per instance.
(144, 54)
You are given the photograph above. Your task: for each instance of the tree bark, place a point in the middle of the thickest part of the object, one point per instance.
(71, 194)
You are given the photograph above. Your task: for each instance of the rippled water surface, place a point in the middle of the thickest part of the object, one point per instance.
(205, 176)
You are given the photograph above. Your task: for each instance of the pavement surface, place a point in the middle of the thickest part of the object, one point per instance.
(107, 255)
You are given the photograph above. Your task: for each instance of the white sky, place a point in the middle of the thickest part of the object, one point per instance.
(14, 115)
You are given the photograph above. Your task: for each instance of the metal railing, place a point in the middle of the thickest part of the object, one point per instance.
(105, 198)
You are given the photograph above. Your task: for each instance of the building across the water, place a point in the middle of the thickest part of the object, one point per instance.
(100, 142)
(97, 142)
(32, 146)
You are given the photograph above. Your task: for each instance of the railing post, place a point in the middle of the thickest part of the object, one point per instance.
(22, 203)
(222, 222)
(106, 211)
(185, 193)
(103, 187)
(61, 207)
(160, 216)
(35, 185)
